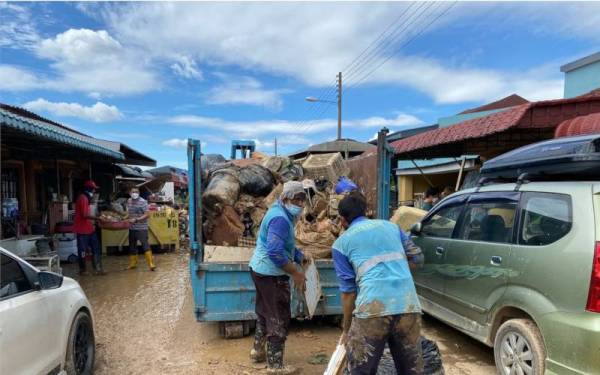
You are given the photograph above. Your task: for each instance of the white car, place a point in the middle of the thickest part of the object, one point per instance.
(46, 324)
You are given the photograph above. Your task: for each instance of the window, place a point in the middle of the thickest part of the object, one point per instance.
(442, 223)
(546, 218)
(12, 278)
(489, 221)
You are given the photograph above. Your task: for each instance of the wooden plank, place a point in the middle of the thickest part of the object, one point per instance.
(218, 254)
(337, 362)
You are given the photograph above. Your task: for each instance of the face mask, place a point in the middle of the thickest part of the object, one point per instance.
(293, 209)
(135, 195)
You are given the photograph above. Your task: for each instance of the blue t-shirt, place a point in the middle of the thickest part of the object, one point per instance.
(370, 259)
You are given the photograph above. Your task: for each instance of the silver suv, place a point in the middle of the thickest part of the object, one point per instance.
(518, 268)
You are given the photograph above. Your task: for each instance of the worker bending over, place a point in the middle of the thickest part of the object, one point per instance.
(137, 207)
(274, 260)
(379, 299)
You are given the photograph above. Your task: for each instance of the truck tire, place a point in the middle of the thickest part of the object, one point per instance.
(518, 344)
(81, 347)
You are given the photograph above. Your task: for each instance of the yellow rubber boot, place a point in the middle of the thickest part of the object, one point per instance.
(150, 260)
(133, 259)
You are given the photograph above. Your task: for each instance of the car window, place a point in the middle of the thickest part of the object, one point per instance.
(12, 278)
(489, 221)
(442, 222)
(546, 218)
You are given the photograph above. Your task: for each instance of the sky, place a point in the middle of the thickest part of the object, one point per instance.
(151, 75)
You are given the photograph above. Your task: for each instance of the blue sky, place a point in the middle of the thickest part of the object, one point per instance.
(153, 74)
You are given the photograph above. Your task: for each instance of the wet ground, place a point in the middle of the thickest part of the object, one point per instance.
(145, 325)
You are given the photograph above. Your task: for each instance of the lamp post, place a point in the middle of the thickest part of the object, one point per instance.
(338, 102)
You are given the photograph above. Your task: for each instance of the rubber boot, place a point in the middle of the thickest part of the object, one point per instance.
(133, 259)
(275, 364)
(150, 260)
(258, 354)
(97, 262)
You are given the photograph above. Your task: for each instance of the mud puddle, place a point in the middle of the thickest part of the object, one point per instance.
(144, 324)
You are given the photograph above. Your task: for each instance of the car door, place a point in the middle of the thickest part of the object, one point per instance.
(435, 239)
(478, 264)
(25, 345)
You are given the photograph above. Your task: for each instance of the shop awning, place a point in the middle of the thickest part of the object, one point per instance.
(23, 128)
(580, 125)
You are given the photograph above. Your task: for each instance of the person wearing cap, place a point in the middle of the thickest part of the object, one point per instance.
(137, 208)
(85, 230)
(275, 259)
(372, 260)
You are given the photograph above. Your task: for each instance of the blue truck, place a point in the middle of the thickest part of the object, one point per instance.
(223, 290)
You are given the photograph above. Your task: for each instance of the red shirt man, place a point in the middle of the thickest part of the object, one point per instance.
(82, 224)
(84, 228)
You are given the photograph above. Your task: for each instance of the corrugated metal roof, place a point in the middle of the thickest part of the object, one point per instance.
(475, 128)
(580, 125)
(56, 133)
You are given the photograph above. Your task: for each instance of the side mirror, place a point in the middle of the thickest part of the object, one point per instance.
(49, 280)
(416, 228)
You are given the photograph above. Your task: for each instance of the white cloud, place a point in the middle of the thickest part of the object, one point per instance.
(186, 67)
(456, 85)
(17, 29)
(244, 90)
(98, 112)
(86, 61)
(258, 129)
(180, 143)
(176, 142)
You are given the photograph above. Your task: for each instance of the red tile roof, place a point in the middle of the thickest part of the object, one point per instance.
(475, 128)
(509, 101)
(589, 124)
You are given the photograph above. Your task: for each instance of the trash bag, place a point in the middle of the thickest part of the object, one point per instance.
(345, 185)
(209, 160)
(292, 172)
(256, 180)
(223, 188)
(225, 229)
(432, 360)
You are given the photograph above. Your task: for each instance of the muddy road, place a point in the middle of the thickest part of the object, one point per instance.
(145, 325)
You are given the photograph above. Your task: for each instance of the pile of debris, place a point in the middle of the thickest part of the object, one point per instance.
(238, 193)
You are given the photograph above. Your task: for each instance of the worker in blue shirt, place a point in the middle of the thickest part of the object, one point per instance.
(372, 259)
(275, 259)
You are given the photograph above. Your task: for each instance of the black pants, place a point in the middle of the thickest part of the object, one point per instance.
(272, 306)
(367, 339)
(135, 236)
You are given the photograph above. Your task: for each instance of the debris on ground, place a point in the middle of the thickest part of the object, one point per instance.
(318, 359)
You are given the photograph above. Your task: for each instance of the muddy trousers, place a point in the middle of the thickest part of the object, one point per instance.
(272, 306)
(87, 242)
(367, 339)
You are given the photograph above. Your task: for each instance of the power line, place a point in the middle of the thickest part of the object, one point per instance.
(385, 42)
(404, 31)
(404, 45)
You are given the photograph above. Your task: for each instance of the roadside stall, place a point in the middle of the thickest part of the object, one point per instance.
(163, 222)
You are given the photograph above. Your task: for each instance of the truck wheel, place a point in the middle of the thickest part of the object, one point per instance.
(81, 348)
(72, 259)
(519, 348)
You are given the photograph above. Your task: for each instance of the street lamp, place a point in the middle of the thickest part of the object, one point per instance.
(312, 99)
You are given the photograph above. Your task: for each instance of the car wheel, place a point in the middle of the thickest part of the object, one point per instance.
(519, 348)
(81, 348)
(72, 259)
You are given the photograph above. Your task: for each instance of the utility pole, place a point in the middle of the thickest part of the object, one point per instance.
(275, 146)
(339, 104)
